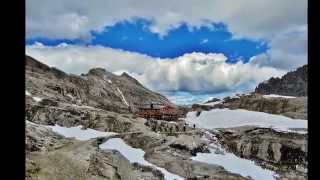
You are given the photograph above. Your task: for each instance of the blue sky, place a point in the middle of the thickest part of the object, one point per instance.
(187, 49)
(134, 36)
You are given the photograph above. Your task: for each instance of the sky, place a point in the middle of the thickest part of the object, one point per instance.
(186, 49)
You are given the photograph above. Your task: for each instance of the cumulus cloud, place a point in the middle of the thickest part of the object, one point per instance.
(288, 50)
(245, 18)
(194, 72)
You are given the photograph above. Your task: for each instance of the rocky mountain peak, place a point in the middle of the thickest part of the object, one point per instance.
(97, 71)
(130, 78)
(36, 66)
(33, 64)
(99, 88)
(293, 83)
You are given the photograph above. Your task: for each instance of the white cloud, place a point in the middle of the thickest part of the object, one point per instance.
(267, 19)
(75, 19)
(191, 72)
(288, 50)
(204, 41)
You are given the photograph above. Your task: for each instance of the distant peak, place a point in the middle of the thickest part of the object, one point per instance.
(98, 72)
(124, 74)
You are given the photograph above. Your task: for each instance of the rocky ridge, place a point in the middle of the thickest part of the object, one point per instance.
(98, 88)
(293, 83)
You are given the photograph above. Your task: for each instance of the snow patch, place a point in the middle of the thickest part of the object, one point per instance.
(277, 96)
(37, 99)
(78, 133)
(226, 118)
(214, 103)
(235, 164)
(122, 97)
(135, 155)
(109, 81)
(27, 93)
(83, 106)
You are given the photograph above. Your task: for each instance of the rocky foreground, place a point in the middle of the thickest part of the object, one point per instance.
(55, 101)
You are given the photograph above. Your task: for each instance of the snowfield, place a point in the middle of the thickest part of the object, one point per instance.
(135, 155)
(226, 118)
(234, 164)
(231, 162)
(78, 133)
(277, 96)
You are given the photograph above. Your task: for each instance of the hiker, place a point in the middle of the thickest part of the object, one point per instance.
(177, 128)
(194, 126)
(99, 141)
(184, 128)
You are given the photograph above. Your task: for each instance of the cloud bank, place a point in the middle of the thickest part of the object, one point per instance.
(193, 72)
(271, 20)
(246, 18)
(288, 50)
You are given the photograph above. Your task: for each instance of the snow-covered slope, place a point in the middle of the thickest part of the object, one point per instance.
(224, 118)
(277, 96)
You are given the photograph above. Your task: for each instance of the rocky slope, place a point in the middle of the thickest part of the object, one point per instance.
(291, 84)
(52, 156)
(99, 100)
(285, 153)
(98, 88)
(296, 108)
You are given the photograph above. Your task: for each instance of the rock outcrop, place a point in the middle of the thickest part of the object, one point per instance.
(296, 108)
(285, 153)
(291, 84)
(52, 156)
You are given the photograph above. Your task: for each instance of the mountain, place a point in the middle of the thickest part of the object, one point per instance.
(291, 84)
(285, 96)
(82, 127)
(98, 88)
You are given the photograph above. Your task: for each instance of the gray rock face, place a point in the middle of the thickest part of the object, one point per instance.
(282, 152)
(291, 84)
(98, 88)
(39, 138)
(70, 115)
(296, 108)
